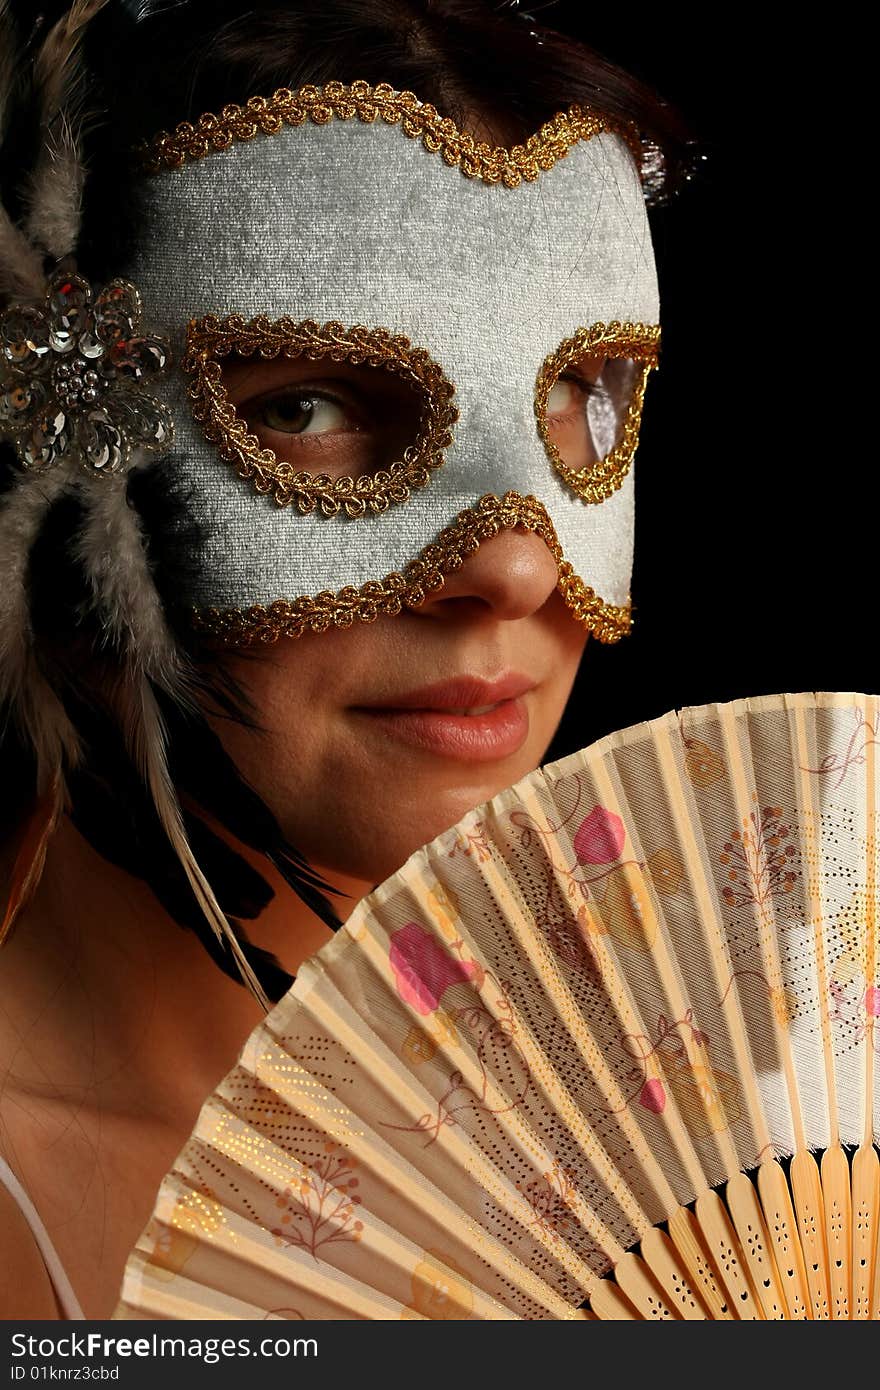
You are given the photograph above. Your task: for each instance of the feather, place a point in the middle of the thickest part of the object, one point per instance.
(201, 766)
(146, 737)
(8, 65)
(112, 809)
(24, 689)
(60, 599)
(31, 857)
(21, 266)
(53, 198)
(174, 537)
(111, 546)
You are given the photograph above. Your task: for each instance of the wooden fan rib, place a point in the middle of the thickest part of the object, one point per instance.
(782, 1230)
(865, 1214)
(865, 1203)
(741, 780)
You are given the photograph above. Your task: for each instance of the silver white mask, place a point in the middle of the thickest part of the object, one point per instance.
(347, 223)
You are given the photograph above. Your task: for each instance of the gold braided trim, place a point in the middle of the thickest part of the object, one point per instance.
(636, 340)
(210, 338)
(418, 120)
(259, 625)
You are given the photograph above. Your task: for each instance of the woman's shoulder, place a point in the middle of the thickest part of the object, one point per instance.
(25, 1287)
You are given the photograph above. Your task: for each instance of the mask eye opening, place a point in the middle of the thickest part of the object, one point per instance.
(210, 339)
(639, 343)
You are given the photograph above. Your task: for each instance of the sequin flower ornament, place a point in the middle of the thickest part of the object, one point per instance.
(75, 375)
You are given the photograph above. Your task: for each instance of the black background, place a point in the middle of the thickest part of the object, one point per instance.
(754, 480)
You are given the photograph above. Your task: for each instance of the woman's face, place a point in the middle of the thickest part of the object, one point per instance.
(374, 741)
(357, 789)
(377, 737)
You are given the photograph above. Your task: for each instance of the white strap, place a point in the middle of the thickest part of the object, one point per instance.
(70, 1304)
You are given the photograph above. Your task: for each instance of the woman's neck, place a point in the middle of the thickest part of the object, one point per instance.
(106, 1002)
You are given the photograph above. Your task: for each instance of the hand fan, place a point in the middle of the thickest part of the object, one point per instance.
(577, 1058)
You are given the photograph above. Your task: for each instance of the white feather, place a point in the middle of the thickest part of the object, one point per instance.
(111, 549)
(21, 266)
(147, 741)
(54, 192)
(53, 195)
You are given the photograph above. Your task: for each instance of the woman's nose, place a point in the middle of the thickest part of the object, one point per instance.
(511, 574)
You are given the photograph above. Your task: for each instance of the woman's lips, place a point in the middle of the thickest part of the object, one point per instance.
(466, 717)
(474, 738)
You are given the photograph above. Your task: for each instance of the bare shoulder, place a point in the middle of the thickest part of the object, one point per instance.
(25, 1287)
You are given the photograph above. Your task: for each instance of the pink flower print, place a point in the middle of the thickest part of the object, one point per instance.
(600, 838)
(653, 1097)
(872, 1001)
(423, 970)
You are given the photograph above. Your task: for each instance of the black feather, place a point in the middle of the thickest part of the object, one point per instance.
(202, 768)
(113, 811)
(10, 468)
(132, 835)
(174, 540)
(59, 592)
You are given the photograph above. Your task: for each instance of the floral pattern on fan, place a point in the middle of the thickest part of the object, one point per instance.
(676, 1062)
(624, 909)
(701, 764)
(192, 1218)
(440, 1290)
(865, 734)
(552, 1198)
(489, 1035)
(423, 971)
(322, 1207)
(759, 862)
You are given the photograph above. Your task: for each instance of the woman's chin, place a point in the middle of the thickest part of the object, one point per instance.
(371, 860)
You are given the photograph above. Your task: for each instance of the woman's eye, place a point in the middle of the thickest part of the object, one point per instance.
(565, 396)
(585, 409)
(345, 422)
(301, 413)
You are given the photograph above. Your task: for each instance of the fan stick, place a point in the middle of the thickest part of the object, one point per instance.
(763, 914)
(810, 1211)
(782, 1230)
(633, 1276)
(661, 1257)
(609, 1304)
(723, 1245)
(755, 1248)
(865, 1201)
(865, 1176)
(705, 902)
(687, 1239)
(837, 1199)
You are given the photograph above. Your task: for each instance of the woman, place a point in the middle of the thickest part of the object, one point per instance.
(374, 717)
